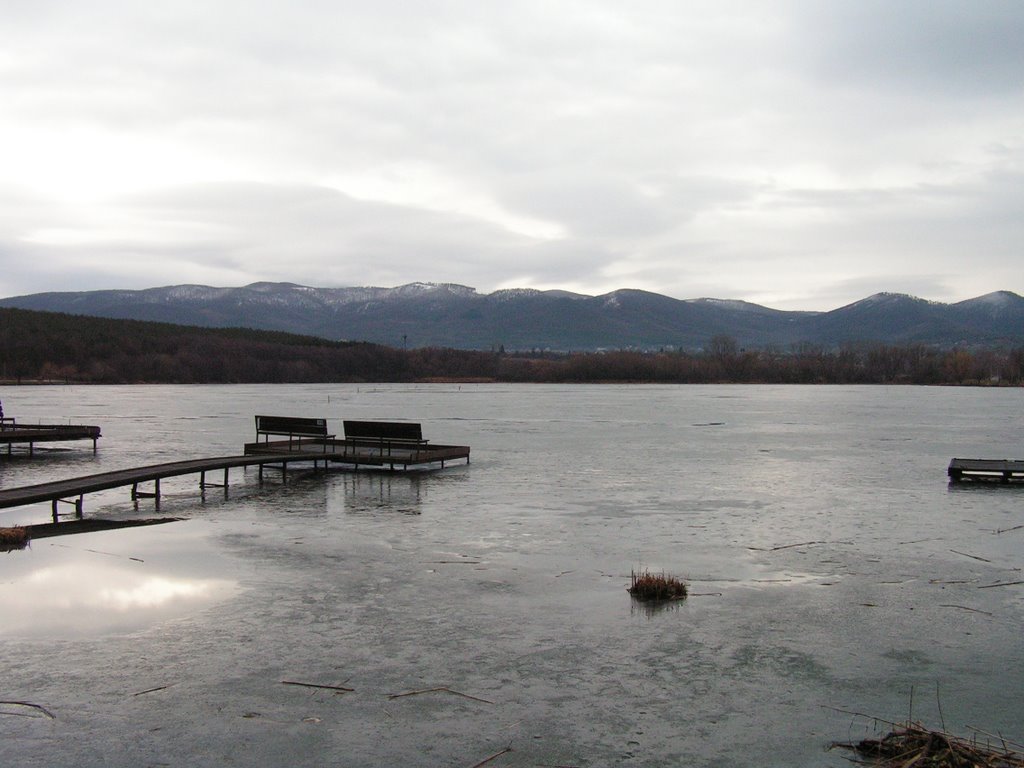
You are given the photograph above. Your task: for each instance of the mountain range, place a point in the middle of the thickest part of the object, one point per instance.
(449, 315)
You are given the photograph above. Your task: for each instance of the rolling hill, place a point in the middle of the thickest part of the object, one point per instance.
(456, 316)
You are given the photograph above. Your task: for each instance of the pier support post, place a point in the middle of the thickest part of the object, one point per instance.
(137, 494)
(77, 503)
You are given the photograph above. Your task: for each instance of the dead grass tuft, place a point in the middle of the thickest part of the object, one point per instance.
(656, 586)
(15, 537)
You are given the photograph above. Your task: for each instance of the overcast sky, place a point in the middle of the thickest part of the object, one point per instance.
(800, 155)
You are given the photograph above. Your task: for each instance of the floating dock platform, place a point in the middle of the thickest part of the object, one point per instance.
(1004, 471)
(391, 444)
(360, 453)
(29, 434)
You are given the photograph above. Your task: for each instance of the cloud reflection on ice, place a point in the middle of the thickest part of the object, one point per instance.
(155, 592)
(73, 590)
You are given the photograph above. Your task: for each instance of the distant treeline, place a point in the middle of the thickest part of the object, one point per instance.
(47, 346)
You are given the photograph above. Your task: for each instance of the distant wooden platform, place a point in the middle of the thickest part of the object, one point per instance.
(1003, 471)
(29, 434)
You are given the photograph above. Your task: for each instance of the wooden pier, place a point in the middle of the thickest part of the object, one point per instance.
(29, 434)
(1002, 471)
(279, 455)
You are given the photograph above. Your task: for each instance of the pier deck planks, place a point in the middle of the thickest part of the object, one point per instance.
(359, 453)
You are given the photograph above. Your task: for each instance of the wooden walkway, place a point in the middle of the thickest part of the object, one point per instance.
(30, 434)
(986, 470)
(275, 454)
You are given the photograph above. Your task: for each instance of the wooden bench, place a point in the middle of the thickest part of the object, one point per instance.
(385, 435)
(294, 427)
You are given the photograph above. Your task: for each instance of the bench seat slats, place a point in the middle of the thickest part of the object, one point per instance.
(292, 427)
(386, 430)
(385, 434)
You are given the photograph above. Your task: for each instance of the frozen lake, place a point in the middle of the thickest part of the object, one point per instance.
(831, 567)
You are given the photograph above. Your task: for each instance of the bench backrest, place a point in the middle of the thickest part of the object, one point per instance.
(291, 425)
(383, 430)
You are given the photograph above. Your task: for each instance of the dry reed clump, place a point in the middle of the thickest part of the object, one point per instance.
(655, 586)
(913, 744)
(13, 538)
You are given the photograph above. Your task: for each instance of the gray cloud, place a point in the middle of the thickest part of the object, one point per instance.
(965, 50)
(781, 153)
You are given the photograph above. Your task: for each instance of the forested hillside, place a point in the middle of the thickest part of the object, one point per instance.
(59, 347)
(44, 346)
